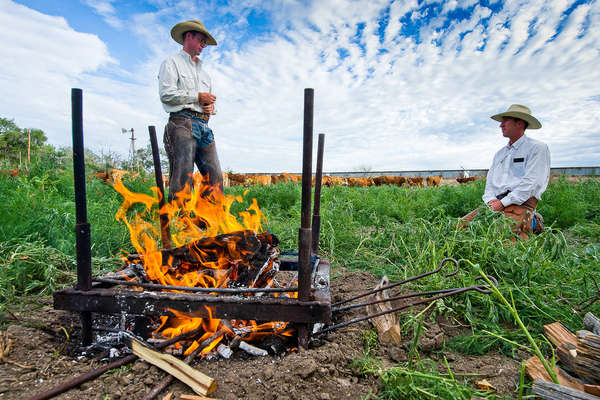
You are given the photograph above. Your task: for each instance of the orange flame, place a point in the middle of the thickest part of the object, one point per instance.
(201, 213)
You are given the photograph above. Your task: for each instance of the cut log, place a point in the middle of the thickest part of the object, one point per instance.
(592, 389)
(567, 353)
(587, 363)
(536, 371)
(387, 325)
(196, 380)
(558, 334)
(192, 397)
(552, 391)
(591, 323)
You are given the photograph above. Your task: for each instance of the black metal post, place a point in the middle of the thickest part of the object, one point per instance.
(304, 235)
(316, 219)
(82, 227)
(165, 232)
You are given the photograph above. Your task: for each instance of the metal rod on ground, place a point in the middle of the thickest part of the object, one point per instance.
(305, 235)
(165, 232)
(82, 227)
(63, 387)
(198, 289)
(316, 219)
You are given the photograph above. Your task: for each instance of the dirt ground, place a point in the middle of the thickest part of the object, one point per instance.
(322, 372)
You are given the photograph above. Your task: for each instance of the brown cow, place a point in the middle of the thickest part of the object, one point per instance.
(361, 182)
(465, 180)
(415, 181)
(285, 177)
(261, 180)
(433, 180)
(237, 179)
(330, 181)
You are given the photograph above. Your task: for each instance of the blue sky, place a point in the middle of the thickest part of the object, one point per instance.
(399, 85)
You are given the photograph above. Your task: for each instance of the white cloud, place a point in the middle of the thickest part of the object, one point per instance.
(398, 102)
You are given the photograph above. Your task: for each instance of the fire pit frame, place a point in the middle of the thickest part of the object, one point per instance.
(312, 305)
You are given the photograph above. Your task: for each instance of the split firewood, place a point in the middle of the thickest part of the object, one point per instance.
(168, 396)
(536, 371)
(591, 323)
(592, 389)
(551, 391)
(587, 363)
(558, 334)
(387, 325)
(192, 397)
(196, 380)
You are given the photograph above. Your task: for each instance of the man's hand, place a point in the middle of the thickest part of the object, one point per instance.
(206, 98)
(208, 109)
(496, 205)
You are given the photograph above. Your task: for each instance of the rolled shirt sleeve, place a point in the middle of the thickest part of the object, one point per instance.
(169, 91)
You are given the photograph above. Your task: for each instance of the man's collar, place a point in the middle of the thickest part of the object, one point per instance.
(518, 143)
(187, 56)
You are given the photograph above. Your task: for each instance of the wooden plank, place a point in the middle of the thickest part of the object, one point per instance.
(196, 380)
(386, 325)
(536, 371)
(552, 391)
(558, 334)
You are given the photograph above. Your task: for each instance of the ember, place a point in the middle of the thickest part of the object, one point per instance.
(214, 250)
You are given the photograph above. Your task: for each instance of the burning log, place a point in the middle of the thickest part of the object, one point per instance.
(196, 380)
(251, 259)
(252, 350)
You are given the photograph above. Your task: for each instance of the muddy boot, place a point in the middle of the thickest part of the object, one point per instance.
(538, 226)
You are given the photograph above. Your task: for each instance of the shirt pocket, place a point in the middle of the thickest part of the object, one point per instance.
(186, 81)
(517, 166)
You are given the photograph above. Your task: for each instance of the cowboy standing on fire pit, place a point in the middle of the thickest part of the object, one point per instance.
(185, 91)
(519, 173)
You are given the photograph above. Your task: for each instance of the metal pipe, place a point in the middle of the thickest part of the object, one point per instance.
(304, 234)
(197, 289)
(82, 227)
(316, 219)
(165, 232)
(63, 387)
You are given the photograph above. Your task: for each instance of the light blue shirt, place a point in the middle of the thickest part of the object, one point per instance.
(523, 168)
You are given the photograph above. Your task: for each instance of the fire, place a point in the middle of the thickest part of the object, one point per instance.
(217, 247)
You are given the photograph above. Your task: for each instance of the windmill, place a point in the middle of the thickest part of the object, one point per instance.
(132, 155)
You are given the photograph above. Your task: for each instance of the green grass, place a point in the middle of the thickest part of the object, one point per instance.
(396, 231)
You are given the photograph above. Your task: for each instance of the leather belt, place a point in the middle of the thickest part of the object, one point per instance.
(197, 114)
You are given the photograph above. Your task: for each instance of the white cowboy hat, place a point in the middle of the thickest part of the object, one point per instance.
(520, 112)
(192, 25)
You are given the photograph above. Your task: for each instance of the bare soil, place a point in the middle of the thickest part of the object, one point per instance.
(322, 372)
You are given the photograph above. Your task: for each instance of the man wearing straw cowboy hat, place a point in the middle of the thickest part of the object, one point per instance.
(519, 173)
(185, 91)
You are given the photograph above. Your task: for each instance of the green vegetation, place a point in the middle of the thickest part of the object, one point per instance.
(396, 231)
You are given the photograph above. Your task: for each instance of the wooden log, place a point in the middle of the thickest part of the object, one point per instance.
(558, 334)
(591, 323)
(387, 325)
(592, 389)
(196, 380)
(552, 391)
(536, 371)
(567, 353)
(587, 363)
(192, 397)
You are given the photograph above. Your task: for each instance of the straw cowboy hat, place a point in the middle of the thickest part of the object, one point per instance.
(192, 25)
(520, 112)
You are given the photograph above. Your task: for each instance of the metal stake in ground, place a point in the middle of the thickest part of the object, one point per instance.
(82, 227)
(165, 232)
(305, 234)
(316, 219)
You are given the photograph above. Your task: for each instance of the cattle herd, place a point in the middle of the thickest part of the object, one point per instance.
(231, 179)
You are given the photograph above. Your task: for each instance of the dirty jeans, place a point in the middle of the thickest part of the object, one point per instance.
(185, 147)
(522, 215)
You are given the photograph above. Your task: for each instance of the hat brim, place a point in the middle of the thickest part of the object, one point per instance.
(182, 27)
(532, 122)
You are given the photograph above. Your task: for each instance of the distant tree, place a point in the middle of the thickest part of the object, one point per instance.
(14, 141)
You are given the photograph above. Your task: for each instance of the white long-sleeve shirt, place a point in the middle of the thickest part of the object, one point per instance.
(180, 80)
(523, 168)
